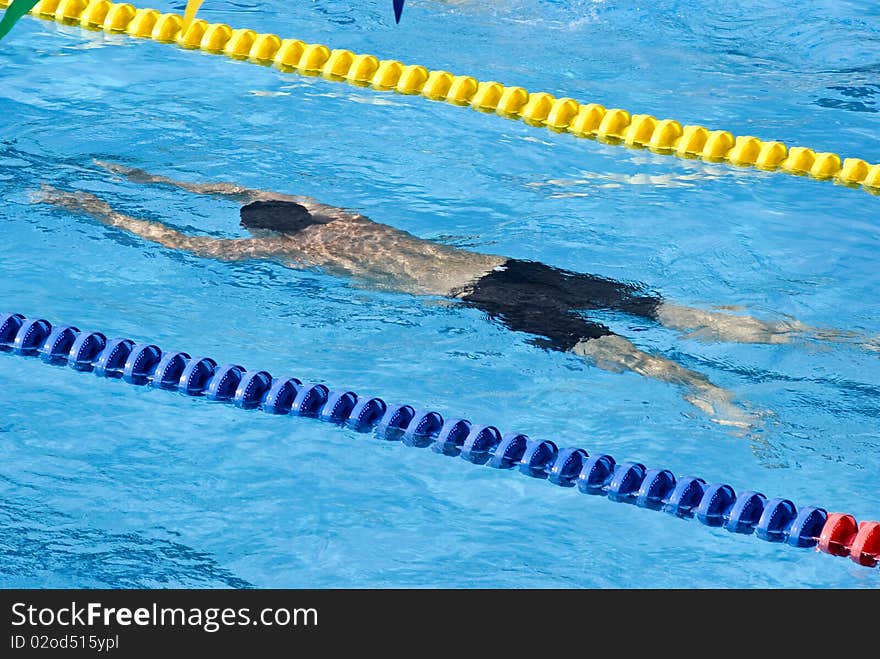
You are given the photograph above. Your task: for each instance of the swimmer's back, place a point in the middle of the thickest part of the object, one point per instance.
(347, 243)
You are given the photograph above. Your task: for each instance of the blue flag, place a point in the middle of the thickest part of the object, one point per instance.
(398, 9)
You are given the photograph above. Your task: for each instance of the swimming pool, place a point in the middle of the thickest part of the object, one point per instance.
(106, 485)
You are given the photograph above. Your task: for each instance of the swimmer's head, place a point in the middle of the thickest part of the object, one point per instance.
(284, 217)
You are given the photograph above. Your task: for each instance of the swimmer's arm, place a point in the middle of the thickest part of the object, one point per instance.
(239, 193)
(224, 249)
(231, 190)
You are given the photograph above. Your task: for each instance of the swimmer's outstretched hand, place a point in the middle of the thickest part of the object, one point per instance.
(133, 174)
(234, 191)
(228, 190)
(78, 201)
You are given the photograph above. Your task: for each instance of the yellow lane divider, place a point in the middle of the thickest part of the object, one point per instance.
(538, 108)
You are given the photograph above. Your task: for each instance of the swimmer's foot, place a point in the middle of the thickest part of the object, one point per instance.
(719, 406)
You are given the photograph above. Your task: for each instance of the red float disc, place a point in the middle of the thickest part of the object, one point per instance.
(865, 548)
(837, 534)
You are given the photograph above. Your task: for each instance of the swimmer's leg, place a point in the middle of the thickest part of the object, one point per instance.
(583, 291)
(720, 326)
(533, 304)
(615, 353)
(157, 232)
(594, 292)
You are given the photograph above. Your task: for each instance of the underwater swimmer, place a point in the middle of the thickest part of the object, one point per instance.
(525, 296)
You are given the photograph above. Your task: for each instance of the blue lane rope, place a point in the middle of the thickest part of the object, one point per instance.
(717, 505)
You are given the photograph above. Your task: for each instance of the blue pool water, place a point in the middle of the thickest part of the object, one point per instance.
(107, 485)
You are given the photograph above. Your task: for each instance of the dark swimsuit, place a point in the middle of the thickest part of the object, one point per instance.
(526, 296)
(538, 299)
